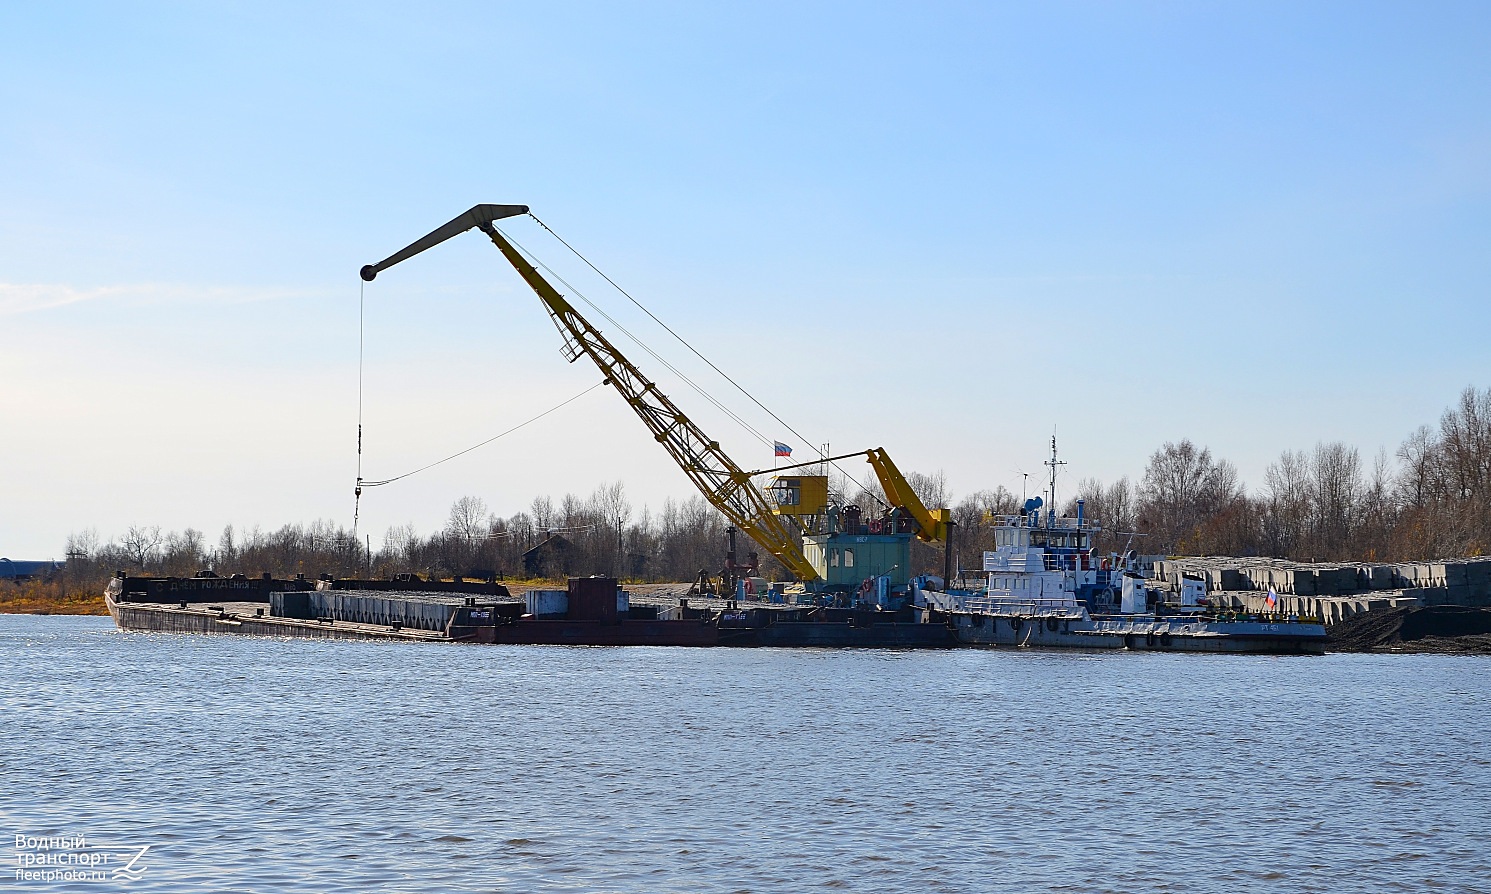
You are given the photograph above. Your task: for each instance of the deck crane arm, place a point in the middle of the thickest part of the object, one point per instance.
(723, 483)
(931, 524)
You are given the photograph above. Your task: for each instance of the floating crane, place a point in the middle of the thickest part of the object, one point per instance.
(774, 525)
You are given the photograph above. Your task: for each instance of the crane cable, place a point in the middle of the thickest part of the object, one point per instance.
(357, 491)
(669, 329)
(361, 315)
(639, 342)
(685, 343)
(558, 406)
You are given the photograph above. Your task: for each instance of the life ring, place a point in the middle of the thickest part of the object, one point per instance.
(876, 526)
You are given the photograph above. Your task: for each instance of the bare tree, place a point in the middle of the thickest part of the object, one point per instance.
(543, 513)
(83, 544)
(931, 489)
(615, 509)
(1110, 508)
(467, 521)
(1182, 486)
(1336, 484)
(1288, 495)
(139, 543)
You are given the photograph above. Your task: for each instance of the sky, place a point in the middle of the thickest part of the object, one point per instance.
(944, 229)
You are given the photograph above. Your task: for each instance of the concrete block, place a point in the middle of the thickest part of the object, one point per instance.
(1428, 595)
(1345, 578)
(1380, 577)
(1415, 575)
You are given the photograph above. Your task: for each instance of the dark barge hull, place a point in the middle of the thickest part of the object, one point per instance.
(530, 632)
(825, 634)
(241, 619)
(293, 609)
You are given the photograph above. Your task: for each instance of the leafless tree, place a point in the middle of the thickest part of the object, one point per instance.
(1336, 484)
(1288, 496)
(1182, 486)
(83, 544)
(139, 544)
(1111, 508)
(615, 509)
(467, 521)
(543, 513)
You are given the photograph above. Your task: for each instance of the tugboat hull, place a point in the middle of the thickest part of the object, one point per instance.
(1150, 634)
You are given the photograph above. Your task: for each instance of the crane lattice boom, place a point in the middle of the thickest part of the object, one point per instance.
(723, 483)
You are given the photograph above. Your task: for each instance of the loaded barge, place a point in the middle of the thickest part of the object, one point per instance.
(592, 611)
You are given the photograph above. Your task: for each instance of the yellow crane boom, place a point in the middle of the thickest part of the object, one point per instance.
(723, 483)
(931, 524)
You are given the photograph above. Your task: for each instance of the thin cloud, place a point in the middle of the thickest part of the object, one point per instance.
(23, 298)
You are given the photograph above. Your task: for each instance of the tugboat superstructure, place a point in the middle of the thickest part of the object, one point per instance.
(1046, 586)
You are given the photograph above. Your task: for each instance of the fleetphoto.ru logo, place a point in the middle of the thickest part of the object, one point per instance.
(73, 858)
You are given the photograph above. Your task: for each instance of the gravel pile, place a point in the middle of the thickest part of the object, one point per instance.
(1434, 628)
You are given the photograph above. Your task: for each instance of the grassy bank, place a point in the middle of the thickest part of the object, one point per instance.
(49, 598)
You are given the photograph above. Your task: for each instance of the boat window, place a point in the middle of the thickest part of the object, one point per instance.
(848, 558)
(833, 558)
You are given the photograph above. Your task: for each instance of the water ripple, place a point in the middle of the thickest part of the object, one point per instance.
(285, 765)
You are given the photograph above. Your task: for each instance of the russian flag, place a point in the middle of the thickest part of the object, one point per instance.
(783, 449)
(1273, 598)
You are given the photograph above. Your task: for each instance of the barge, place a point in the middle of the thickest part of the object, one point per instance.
(592, 611)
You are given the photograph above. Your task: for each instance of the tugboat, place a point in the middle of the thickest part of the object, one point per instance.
(1045, 588)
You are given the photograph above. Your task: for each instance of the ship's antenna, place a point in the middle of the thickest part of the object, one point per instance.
(1053, 463)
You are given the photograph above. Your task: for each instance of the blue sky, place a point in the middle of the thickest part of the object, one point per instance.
(943, 230)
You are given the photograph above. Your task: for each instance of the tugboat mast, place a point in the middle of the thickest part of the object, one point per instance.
(1053, 462)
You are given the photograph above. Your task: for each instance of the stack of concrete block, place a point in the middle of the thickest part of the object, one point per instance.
(1331, 591)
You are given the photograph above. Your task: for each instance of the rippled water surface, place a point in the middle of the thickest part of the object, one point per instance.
(281, 765)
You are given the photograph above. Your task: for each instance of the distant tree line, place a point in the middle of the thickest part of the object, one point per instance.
(1431, 500)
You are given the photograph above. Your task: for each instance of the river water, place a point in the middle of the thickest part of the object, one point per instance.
(281, 765)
